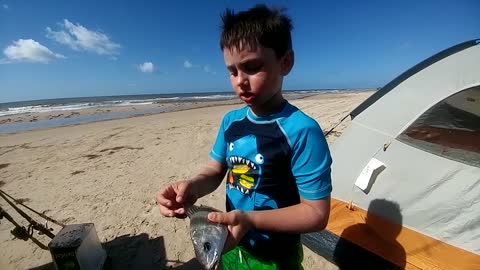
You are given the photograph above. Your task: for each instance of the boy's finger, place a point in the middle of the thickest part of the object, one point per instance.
(179, 211)
(182, 191)
(167, 192)
(166, 212)
(161, 200)
(223, 218)
(179, 198)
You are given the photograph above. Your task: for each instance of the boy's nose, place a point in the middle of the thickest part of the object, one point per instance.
(242, 79)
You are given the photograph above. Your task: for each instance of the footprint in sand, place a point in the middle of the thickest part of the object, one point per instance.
(76, 172)
(92, 156)
(4, 165)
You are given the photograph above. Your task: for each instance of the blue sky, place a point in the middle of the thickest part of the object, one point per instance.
(52, 49)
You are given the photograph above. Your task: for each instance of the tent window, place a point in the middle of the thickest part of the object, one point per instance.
(451, 128)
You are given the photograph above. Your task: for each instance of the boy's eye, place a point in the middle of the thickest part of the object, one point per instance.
(252, 68)
(232, 72)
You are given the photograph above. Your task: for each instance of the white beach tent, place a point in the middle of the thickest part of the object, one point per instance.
(406, 172)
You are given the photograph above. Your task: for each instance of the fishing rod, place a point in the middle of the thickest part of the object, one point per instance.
(20, 232)
(36, 212)
(33, 224)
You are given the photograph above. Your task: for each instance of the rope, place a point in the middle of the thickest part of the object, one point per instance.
(330, 131)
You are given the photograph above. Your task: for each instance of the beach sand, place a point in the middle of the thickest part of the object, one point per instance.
(109, 172)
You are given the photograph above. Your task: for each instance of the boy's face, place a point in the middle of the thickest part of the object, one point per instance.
(257, 75)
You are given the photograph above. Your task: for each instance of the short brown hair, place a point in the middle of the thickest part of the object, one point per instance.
(259, 25)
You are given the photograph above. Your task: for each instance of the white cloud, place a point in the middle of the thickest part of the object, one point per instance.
(187, 64)
(80, 38)
(146, 67)
(207, 69)
(5, 6)
(28, 50)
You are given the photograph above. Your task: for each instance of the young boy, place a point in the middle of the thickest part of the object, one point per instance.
(277, 159)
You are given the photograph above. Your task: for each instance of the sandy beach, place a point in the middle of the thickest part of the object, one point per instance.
(108, 173)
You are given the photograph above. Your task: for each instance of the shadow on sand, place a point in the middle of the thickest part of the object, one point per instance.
(137, 252)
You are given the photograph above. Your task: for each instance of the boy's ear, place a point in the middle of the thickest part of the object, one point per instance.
(287, 62)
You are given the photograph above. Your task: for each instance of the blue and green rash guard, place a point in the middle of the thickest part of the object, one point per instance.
(272, 162)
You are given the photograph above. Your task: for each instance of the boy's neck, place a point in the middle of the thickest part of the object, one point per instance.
(273, 105)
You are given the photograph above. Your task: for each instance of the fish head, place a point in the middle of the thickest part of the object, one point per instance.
(208, 239)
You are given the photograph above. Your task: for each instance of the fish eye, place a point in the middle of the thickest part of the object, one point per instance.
(259, 158)
(231, 146)
(206, 246)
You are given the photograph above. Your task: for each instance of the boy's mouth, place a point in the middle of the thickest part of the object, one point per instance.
(247, 97)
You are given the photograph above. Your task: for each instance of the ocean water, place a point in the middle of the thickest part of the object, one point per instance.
(70, 104)
(73, 104)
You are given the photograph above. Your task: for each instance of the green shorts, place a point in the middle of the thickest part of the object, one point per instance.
(240, 258)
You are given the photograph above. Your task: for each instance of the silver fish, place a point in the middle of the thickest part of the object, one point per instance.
(208, 238)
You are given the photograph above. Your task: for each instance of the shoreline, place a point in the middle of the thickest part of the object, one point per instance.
(44, 120)
(14, 124)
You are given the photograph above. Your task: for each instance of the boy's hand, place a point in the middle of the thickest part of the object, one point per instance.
(238, 223)
(173, 198)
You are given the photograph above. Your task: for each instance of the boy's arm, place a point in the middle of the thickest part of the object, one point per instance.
(212, 175)
(173, 198)
(307, 216)
(208, 179)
